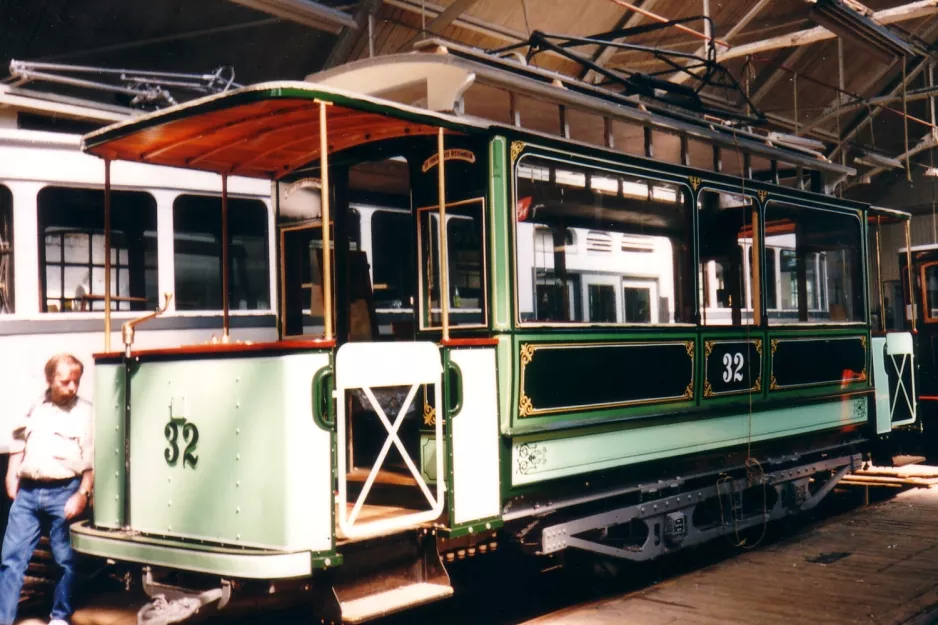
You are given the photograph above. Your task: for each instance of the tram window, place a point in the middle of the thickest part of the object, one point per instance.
(820, 274)
(6, 251)
(72, 251)
(596, 246)
(466, 268)
(725, 272)
(392, 236)
(197, 253)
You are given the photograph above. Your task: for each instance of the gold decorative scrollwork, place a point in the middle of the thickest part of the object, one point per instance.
(694, 182)
(762, 195)
(757, 387)
(516, 148)
(708, 389)
(774, 345)
(525, 407)
(689, 346)
(774, 384)
(758, 344)
(863, 341)
(689, 391)
(429, 415)
(708, 348)
(527, 354)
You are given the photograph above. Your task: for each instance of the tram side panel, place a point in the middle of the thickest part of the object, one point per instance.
(223, 451)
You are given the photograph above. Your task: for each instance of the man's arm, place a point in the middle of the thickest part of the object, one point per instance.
(77, 503)
(13, 469)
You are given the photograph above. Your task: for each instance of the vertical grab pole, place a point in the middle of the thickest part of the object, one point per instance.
(908, 262)
(879, 279)
(756, 277)
(326, 244)
(444, 256)
(224, 256)
(107, 255)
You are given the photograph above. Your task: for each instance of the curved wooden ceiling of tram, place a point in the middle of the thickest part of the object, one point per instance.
(267, 136)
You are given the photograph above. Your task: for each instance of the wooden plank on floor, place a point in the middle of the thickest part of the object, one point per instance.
(877, 564)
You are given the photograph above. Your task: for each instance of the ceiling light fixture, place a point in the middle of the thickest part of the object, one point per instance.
(305, 12)
(851, 20)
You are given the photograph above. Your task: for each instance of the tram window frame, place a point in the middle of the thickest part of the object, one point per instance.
(75, 212)
(426, 311)
(750, 290)
(927, 317)
(680, 271)
(824, 294)
(238, 226)
(7, 268)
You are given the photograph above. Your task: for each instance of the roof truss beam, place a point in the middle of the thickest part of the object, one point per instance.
(753, 12)
(904, 13)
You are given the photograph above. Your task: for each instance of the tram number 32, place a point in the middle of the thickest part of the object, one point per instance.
(734, 367)
(190, 437)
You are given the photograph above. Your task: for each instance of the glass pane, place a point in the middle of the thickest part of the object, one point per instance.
(771, 279)
(53, 282)
(464, 240)
(197, 253)
(53, 248)
(76, 248)
(821, 272)
(580, 225)
(76, 285)
(602, 303)
(637, 305)
(75, 217)
(724, 236)
(392, 245)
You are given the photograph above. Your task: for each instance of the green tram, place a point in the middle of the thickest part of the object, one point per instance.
(567, 338)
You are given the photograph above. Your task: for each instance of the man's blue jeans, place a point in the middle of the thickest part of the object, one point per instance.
(37, 506)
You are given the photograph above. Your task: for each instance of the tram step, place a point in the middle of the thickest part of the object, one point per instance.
(390, 601)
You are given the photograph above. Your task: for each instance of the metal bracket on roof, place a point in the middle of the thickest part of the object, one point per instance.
(651, 85)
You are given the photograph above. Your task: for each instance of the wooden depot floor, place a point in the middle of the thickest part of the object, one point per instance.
(875, 564)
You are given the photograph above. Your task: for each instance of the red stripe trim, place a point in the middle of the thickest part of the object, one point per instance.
(228, 348)
(928, 397)
(488, 342)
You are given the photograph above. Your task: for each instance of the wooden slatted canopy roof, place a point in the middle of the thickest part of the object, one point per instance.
(263, 131)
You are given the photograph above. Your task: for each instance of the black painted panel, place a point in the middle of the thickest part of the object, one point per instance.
(575, 377)
(813, 362)
(732, 367)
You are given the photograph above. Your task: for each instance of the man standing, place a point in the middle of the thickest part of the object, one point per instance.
(49, 479)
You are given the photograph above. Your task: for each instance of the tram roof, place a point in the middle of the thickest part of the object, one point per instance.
(264, 131)
(880, 214)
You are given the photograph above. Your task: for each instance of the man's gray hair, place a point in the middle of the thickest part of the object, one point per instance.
(53, 364)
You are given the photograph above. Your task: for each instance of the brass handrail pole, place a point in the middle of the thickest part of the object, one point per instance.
(326, 243)
(444, 256)
(879, 278)
(224, 257)
(908, 261)
(107, 255)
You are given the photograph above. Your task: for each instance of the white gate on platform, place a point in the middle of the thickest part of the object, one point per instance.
(370, 366)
